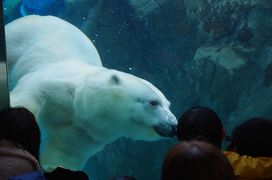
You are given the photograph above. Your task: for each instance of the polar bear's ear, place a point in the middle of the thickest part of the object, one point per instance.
(115, 80)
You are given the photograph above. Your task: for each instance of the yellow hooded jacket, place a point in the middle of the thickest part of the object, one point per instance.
(248, 168)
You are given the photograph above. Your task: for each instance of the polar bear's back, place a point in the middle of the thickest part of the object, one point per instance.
(45, 39)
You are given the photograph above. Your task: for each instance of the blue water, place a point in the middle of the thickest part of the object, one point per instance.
(216, 54)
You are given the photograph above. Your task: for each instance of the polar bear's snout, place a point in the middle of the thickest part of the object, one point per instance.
(167, 128)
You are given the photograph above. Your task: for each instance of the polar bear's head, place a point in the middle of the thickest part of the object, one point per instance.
(115, 104)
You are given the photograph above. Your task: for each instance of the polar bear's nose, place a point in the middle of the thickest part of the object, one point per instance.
(166, 129)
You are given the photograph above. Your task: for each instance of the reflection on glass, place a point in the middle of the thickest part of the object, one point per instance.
(4, 94)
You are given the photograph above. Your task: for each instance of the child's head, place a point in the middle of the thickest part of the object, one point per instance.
(193, 160)
(19, 125)
(200, 123)
(253, 138)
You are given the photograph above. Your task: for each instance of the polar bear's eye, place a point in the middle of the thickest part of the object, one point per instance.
(154, 103)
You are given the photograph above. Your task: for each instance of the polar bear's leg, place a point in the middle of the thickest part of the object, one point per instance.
(21, 95)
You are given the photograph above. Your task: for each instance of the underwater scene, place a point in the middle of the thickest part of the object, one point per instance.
(213, 53)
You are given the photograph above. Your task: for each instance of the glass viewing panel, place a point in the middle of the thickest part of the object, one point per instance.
(214, 53)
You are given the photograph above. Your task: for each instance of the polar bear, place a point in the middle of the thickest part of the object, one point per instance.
(56, 73)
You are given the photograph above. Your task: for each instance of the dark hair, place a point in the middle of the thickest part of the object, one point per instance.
(19, 125)
(62, 173)
(194, 160)
(200, 123)
(253, 138)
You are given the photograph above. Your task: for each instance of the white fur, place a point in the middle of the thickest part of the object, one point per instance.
(56, 73)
